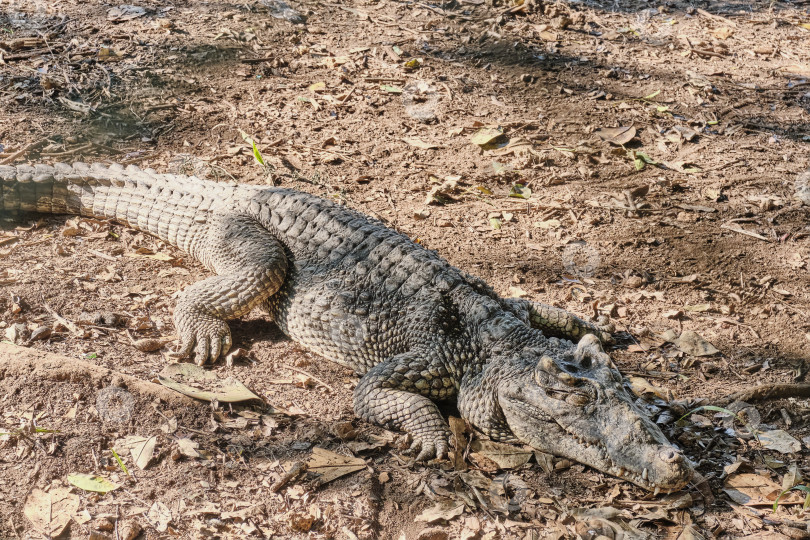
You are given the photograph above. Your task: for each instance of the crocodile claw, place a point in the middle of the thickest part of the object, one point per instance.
(207, 338)
(604, 329)
(429, 446)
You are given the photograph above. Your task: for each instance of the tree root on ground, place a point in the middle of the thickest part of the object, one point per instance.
(18, 361)
(767, 391)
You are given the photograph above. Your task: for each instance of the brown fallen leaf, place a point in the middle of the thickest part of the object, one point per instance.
(331, 465)
(751, 489)
(419, 143)
(441, 511)
(50, 512)
(618, 135)
(506, 456)
(142, 453)
(180, 377)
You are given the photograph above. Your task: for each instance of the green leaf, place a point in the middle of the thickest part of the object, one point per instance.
(652, 95)
(256, 154)
(495, 223)
(520, 191)
(120, 462)
(390, 89)
(797, 488)
(646, 158)
(412, 64)
(92, 482)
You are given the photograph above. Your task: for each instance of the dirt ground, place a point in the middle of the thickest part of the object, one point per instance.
(633, 158)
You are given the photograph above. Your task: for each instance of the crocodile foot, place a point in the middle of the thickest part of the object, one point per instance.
(429, 445)
(206, 336)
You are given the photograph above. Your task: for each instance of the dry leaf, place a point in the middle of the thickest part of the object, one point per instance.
(724, 32)
(757, 490)
(331, 465)
(618, 135)
(445, 510)
(419, 143)
(142, 453)
(779, 440)
(506, 456)
(50, 512)
(206, 385)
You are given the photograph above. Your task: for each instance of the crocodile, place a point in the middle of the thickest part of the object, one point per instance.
(417, 330)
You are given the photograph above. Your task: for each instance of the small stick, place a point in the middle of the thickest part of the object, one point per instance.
(102, 255)
(257, 60)
(76, 150)
(707, 53)
(23, 151)
(768, 391)
(345, 99)
(743, 231)
(313, 377)
(384, 79)
(64, 322)
(297, 469)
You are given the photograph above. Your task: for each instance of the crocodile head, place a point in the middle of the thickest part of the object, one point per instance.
(577, 407)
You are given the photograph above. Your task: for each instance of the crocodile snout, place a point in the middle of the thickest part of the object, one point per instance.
(670, 469)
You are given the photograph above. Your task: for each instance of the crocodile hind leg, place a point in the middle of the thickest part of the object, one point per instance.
(557, 322)
(397, 394)
(251, 266)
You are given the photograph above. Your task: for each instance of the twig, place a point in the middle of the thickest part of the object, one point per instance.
(76, 150)
(257, 60)
(335, 152)
(768, 391)
(384, 79)
(75, 330)
(23, 151)
(449, 93)
(310, 375)
(740, 230)
(102, 255)
(704, 52)
(298, 468)
(716, 17)
(345, 99)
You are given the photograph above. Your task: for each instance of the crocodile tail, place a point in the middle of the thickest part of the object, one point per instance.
(88, 190)
(164, 205)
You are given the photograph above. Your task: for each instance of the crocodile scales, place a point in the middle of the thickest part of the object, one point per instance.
(416, 329)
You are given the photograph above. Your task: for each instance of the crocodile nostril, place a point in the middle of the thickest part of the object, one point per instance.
(669, 454)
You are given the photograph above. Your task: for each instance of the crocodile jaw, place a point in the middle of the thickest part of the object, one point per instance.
(581, 410)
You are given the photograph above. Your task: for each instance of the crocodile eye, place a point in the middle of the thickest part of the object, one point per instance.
(580, 400)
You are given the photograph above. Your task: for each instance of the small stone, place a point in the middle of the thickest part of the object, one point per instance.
(41, 333)
(634, 282)
(16, 333)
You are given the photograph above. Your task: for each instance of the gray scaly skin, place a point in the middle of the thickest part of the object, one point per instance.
(416, 329)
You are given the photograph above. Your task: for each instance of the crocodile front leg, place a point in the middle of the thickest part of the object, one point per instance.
(396, 394)
(251, 266)
(557, 322)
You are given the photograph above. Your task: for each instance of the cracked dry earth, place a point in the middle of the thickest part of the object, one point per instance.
(686, 222)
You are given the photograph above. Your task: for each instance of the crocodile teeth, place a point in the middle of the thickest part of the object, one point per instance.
(656, 492)
(644, 474)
